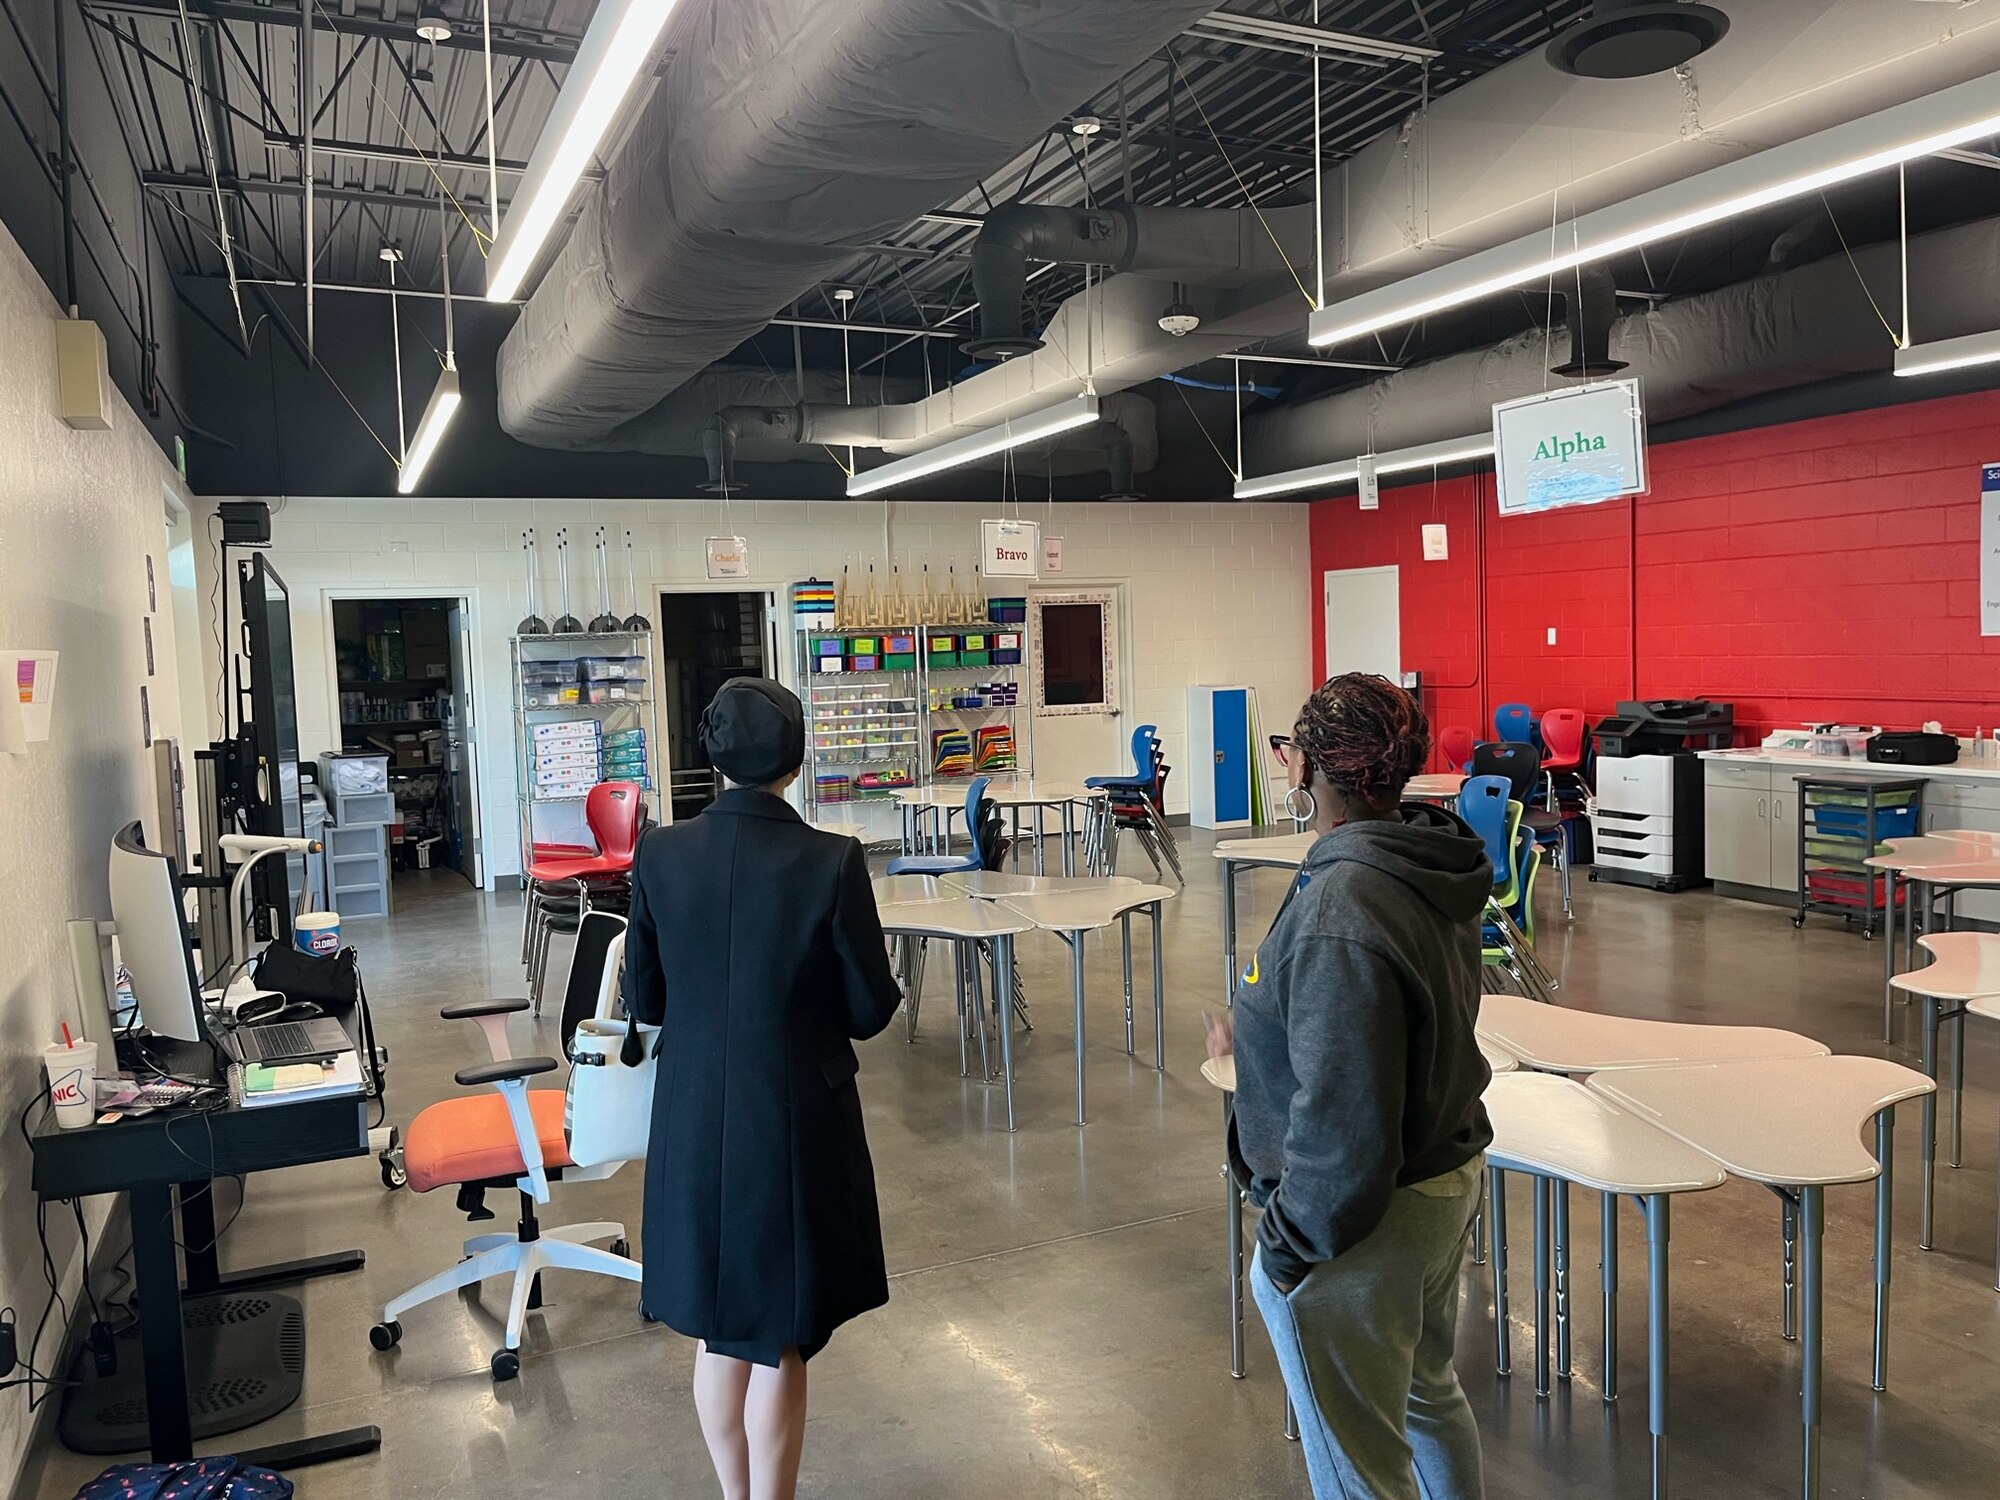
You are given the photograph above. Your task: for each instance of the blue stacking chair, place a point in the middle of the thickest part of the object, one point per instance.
(1514, 723)
(1521, 765)
(1488, 805)
(952, 864)
(1144, 766)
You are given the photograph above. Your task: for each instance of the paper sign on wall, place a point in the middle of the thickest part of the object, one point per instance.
(1052, 549)
(1436, 547)
(27, 698)
(1570, 447)
(1989, 549)
(1010, 549)
(728, 557)
(1371, 488)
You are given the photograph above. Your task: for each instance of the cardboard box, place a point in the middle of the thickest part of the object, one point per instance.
(405, 751)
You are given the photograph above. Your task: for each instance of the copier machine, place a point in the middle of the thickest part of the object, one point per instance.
(1648, 825)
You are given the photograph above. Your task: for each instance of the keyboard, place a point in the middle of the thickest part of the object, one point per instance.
(291, 1041)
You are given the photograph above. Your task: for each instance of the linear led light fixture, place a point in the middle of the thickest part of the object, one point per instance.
(1079, 411)
(1920, 127)
(1348, 471)
(1317, 36)
(616, 48)
(1949, 354)
(437, 416)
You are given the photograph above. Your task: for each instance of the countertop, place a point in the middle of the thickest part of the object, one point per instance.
(1963, 769)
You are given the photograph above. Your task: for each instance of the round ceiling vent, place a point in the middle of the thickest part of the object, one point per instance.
(1622, 39)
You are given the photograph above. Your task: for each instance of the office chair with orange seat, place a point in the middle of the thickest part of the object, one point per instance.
(525, 1138)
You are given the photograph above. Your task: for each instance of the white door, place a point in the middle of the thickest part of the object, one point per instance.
(1076, 673)
(461, 754)
(1364, 626)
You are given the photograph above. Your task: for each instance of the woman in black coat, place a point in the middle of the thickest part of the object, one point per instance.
(755, 944)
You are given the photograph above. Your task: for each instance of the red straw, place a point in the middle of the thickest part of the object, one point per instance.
(68, 1040)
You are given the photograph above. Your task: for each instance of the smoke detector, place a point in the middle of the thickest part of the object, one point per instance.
(1179, 319)
(432, 25)
(1632, 38)
(1086, 125)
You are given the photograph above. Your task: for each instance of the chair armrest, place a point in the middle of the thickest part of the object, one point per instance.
(469, 1010)
(506, 1070)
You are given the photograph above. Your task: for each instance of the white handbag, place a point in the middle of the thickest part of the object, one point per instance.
(608, 1106)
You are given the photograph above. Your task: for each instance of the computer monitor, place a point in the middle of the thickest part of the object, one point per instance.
(153, 938)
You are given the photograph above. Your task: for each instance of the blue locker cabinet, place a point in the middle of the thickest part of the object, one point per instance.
(1221, 762)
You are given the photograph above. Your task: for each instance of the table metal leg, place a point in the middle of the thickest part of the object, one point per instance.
(1229, 930)
(1076, 983)
(1068, 832)
(1996, 1237)
(977, 986)
(1607, 1262)
(1235, 1266)
(1003, 1005)
(1889, 955)
(1541, 1285)
(1560, 1190)
(1291, 1421)
(959, 962)
(158, 1278)
(1811, 1335)
(1479, 1227)
(1957, 1084)
(1885, 1153)
(1038, 838)
(1659, 1213)
(1125, 937)
(1156, 911)
(1929, 1123)
(1496, 1212)
(1790, 1215)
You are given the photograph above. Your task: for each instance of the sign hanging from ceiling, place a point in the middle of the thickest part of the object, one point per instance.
(1010, 549)
(728, 557)
(1570, 447)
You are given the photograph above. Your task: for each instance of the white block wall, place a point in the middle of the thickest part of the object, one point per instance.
(1215, 593)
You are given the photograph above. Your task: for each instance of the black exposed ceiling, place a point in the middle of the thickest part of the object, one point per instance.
(1204, 122)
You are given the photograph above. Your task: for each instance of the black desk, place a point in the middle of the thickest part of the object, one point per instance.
(156, 1157)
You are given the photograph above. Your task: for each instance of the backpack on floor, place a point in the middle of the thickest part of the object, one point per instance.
(197, 1479)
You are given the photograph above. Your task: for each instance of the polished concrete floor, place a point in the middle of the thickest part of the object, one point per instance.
(1057, 1319)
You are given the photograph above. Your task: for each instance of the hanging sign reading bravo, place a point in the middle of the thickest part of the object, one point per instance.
(1010, 549)
(1570, 447)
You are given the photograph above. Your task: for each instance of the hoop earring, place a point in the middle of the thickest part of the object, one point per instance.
(1292, 806)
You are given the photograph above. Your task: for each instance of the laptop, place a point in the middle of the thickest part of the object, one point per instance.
(320, 1039)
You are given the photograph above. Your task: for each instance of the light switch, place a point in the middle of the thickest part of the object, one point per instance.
(1552, 635)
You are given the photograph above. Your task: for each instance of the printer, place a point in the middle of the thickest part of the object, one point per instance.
(1666, 725)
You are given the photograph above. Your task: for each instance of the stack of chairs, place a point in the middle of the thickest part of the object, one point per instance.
(1136, 802)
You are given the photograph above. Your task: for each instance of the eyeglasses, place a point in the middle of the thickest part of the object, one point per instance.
(1282, 746)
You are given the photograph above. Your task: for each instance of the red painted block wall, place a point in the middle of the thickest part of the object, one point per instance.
(1820, 570)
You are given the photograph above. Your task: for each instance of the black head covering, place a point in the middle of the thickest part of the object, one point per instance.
(754, 731)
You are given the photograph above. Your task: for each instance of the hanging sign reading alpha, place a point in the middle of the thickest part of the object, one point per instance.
(1010, 549)
(1570, 447)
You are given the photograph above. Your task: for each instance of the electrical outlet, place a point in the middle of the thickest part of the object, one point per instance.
(1552, 635)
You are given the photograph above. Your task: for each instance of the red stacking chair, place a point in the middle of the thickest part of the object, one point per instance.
(1455, 745)
(1564, 734)
(562, 887)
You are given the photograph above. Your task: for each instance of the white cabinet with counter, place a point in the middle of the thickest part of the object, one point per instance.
(1751, 815)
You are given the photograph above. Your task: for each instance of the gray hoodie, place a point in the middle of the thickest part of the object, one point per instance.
(1356, 1068)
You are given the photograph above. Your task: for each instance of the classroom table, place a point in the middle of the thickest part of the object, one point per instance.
(1791, 1124)
(997, 885)
(941, 803)
(1913, 859)
(966, 923)
(901, 890)
(1553, 1039)
(1283, 852)
(1556, 1130)
(1434, 786)
(1964, 974)
(1069, 915)
(844, 830)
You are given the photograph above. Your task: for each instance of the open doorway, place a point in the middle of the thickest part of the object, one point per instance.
(403, 668)
(705, 638)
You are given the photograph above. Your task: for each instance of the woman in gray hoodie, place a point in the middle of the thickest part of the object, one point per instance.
(1357, 1123)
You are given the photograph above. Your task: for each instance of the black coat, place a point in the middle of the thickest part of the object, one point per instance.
(755, 944)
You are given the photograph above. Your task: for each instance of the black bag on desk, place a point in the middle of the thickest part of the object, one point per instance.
(333, 984)
(1913, 748)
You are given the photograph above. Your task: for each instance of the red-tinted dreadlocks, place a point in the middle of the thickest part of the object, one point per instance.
(1365, 735)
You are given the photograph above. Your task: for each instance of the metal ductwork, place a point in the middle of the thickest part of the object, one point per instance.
(1781, 330)
(1215, 247)
(1478, 169)
(1590, 308)
(783, 133)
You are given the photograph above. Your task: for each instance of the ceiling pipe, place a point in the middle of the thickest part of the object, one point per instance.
(1589, 310)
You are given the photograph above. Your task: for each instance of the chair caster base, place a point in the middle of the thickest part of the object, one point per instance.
(505, 1364)
(386, 1336)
